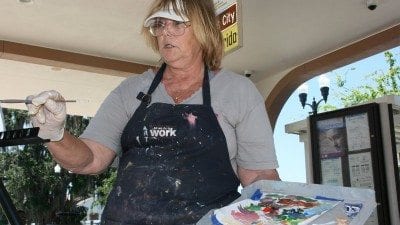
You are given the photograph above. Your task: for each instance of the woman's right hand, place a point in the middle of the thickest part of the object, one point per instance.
(48, 112)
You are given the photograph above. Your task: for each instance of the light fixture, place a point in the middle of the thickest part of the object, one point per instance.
(248, 73)
(324, 87)
(25, 1)
(371, 4)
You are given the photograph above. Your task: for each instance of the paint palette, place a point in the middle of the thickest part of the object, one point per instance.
(273, 208)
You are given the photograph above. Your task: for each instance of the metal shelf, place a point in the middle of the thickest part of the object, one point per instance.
(20, 137)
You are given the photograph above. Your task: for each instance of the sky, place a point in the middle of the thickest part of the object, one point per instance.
(290, 151)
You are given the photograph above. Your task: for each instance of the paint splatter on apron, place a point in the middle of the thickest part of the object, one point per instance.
(175, 165)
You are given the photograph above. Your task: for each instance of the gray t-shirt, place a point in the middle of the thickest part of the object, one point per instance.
(235, 100)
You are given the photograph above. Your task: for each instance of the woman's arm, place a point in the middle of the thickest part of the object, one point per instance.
(81, 156)
(247, 177)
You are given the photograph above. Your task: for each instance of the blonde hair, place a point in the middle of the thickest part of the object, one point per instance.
(201, 14)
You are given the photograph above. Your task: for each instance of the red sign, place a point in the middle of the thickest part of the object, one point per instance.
(227, 17)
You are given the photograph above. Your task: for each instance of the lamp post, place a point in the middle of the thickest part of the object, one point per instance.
(324, 87)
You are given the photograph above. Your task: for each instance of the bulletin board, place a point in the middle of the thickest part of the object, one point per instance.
(347, 151)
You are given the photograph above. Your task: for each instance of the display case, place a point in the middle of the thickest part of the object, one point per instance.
(359, 147)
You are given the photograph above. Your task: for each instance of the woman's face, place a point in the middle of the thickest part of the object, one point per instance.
(178, 50)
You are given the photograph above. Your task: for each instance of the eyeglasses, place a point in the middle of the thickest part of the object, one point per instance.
(174, 28)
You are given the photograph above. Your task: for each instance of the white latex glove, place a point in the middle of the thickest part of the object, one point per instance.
(49, 114)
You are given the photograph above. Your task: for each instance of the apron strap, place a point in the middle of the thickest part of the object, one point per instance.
(206, 87)
(157, 79)
(146, 98)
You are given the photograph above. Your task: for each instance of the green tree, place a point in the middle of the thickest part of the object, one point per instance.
(105, 188)
(377, 84)
(28, 173)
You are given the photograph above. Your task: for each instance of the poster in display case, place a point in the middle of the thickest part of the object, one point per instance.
(347, 151)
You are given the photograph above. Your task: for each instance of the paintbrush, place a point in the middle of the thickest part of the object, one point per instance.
(26, 101)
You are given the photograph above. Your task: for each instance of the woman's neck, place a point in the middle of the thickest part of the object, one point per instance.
(181, 83)
(186, 74)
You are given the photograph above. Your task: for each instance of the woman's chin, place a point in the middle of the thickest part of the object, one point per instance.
(170, 60)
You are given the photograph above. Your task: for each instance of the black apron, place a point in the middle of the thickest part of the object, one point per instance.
(175, 164)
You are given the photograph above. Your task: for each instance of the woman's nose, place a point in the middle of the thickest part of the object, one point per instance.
(166, 31)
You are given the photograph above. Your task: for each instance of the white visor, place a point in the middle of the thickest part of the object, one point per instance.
(166, 13)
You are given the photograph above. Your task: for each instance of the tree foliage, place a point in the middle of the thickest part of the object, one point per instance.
(28, 174)
(379, 84)
(105, 188)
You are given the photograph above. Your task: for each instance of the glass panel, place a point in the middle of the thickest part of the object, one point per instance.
(396, 126)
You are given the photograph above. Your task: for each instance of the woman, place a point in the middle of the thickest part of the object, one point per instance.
(187, 135)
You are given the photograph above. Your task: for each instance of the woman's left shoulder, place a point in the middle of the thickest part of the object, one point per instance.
(230, 79)
(233, 95)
